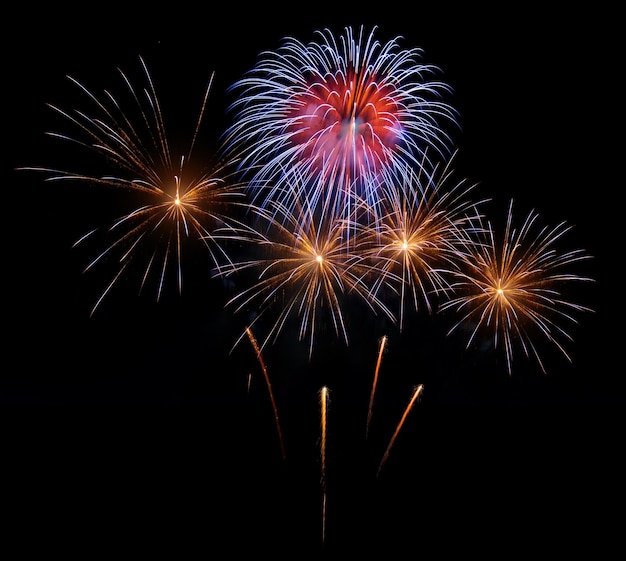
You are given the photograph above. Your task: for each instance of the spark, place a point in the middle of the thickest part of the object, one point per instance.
(512, 288)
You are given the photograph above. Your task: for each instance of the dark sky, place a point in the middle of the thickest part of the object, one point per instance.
(537, 96)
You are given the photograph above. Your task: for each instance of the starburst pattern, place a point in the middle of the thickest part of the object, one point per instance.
(342, 111)
(307, 270)
(414, 242)
(336, 174)
(171, 202)
(512, 287)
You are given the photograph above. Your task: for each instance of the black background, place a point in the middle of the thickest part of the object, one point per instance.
(483, 458)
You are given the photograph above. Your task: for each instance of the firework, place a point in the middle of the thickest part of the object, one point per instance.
(324, 398)
(307, 269)
(416, 393)
(381, 349)
(413, 240)
(170, 201)
(512, 287)
(341, 110)
(259, 356)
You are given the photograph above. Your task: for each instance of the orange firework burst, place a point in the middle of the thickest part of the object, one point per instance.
(414, 238)
(512, 288)
(307, 270)
(171, 202)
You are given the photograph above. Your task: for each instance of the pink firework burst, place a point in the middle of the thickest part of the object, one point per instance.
(349, 122)
(343, 112)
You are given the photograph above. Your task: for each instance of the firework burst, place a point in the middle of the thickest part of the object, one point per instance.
(307, 269)
(171, 201)
(414, 240)
(512, 288)
(343, 111)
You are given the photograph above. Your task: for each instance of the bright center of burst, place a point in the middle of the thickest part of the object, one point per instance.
(319, 259)
(177, 200)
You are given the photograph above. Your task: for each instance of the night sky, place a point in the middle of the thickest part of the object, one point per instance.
(483, 456)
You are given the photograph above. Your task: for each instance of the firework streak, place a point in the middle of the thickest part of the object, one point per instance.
(269, 388)
(324, 414)
(418, 391)
(383, 344)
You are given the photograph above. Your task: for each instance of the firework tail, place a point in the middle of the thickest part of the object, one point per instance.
(418, 391)
(323, 414)
(269, 387)
(383, 343)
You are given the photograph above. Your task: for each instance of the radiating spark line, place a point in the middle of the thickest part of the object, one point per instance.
(269, 389)
(418, 391)
(381, 348)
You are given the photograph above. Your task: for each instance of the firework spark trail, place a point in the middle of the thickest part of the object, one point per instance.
(340, 110)
(511, 288)
(382, 346)
(324, 397)
(418, 391)
(269, 388)
(176, 202)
